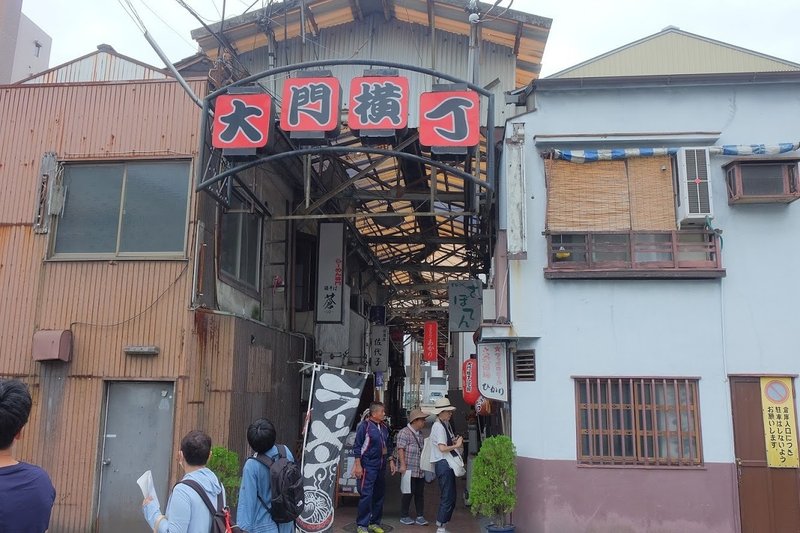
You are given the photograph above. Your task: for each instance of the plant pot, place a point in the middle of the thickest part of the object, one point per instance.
(500, 529)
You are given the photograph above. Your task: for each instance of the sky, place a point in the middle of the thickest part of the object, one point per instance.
(581, 29)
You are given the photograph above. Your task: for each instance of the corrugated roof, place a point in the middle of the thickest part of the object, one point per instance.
(104, 64)
(674, 51)
(523, 33)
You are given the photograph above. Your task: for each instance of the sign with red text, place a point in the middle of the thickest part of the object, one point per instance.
(242, 121)
(378, 103)
(330, 274)
(430, 341)
(493, 371)
(310, 106)
(449, 119)
(469, 384)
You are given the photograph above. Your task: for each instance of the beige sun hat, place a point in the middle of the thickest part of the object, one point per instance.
(442, 404)
(416, 414)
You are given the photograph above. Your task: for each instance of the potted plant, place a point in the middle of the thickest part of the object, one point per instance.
(493, 489)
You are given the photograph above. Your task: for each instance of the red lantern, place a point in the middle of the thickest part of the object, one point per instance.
(469, 381)
(483, 406)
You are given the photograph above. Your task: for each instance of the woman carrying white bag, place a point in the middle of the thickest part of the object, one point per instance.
(443, 447)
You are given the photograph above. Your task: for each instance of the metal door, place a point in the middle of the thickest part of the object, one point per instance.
(769, 498)
(137, 436)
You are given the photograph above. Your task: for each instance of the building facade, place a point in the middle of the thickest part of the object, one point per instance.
(650, 272)
(24, 46)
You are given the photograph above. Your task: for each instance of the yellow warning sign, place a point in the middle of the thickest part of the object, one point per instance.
(777, 406)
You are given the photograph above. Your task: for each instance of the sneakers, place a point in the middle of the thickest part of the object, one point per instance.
(375, 528)
(441, 529)
(421, 521)
(407, 521)
(360, 529)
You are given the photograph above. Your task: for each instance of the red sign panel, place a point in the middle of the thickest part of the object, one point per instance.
(430, 341)
(469, 381)
(449, 118)
(311, 104)
(378, 103)
(242, 120)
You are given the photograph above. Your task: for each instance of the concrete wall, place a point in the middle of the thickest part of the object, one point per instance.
(29, 58)
(707, 329)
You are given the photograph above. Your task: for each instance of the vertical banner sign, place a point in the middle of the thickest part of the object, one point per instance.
(330, 274)
(379, 348)
(466, 301)
(493, 371)
(449, 119)
(242, 121)
(310, 106)
(780, 432)
(430, 341)
(333, 406)
(469, 385)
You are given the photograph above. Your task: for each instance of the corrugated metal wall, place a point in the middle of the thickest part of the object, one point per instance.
(99, 66)
(111, 304)
(375, 38)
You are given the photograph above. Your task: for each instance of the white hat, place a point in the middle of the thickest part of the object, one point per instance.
(442, 404)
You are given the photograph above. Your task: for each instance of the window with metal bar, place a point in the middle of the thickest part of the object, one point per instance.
(638, 421)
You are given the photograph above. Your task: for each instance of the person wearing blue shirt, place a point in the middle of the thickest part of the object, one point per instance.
(371, 449)
(26, 492)
(255, 493)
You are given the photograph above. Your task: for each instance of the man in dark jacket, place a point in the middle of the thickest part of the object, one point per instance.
(371, 450)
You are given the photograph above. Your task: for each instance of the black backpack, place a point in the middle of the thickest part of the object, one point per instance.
(286, 483)
(220, 516)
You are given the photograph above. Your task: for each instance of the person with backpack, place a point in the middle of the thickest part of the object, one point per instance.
(197, 499)
(371, 449)
(271, 494)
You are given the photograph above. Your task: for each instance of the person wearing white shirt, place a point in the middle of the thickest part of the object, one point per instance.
(444, 442)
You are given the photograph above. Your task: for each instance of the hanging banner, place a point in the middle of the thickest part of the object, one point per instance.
(430, 342)
(469, 383)
(379, 348)
(493, 371)
(780, 431)
(466, 300)
(330, 273)
(333, 406)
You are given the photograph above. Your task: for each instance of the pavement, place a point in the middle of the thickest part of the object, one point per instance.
(462, 521)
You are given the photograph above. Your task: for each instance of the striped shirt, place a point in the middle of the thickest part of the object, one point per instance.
(411, 441)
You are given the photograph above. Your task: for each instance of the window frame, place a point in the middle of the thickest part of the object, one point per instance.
(790, 173)
(232, 279)
(641, 410)
(178, 255)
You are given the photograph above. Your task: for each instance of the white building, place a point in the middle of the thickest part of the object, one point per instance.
(24, 46)
(650, 336)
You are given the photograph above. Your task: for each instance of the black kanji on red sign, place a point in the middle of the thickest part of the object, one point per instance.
(378, 103)
(242, 121)
(311, 105)
(449, 118)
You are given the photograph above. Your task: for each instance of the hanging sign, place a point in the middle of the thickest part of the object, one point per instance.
(430, 342)
(379, 348)
(378, 104)
(466, 300)
(242, 121)
(483, 406)
(449, 119)
(311, 103)
(469, 383)
(493, 371)
(330, 274)
(780, 431)
(332, 408)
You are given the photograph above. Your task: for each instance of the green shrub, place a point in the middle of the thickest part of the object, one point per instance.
(493, 489)
(225, 464)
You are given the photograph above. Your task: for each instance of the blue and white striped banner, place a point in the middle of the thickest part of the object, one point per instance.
(616, 154)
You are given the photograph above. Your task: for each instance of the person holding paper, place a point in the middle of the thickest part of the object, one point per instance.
(443, 442)
(186, 512)
(409, 449)
(26, 492)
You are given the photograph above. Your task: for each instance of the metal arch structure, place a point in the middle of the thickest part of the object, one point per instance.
(433, 237)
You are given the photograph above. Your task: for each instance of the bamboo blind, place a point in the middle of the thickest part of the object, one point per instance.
(610, 195)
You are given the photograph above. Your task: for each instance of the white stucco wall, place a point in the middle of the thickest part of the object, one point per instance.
(744, 323)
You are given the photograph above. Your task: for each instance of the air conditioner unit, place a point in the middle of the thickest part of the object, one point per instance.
(694, 185)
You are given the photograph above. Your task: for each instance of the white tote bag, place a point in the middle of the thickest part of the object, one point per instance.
(425, 457)
(456, 463)
(405, 482)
